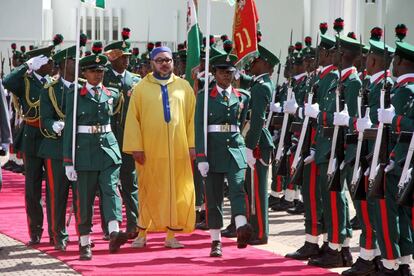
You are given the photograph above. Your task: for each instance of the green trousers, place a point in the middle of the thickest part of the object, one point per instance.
(33, 196)
(214, 195)
(259, 220)
(198, 185)
(335, 208)
(312, 200)
(58, 187)
(88, 183)
(129, 191)
(394, 223)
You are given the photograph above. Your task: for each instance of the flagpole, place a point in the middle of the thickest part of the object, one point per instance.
(75, 100)
(206, 70)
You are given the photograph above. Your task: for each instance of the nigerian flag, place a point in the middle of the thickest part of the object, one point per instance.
(193, 41)
(95, 3)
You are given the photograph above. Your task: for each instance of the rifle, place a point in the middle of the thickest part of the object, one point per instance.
(406, 185)
(2, 59)
(280, 162)
(298, 160)
(269, 116)
(357, 187)
(380, 155)
(337, 152)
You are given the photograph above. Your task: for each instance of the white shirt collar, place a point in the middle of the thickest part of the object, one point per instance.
(298, 77)
(66, 83)
(228, 89)
(346, 70)
(376, 76)
(117, 74)
(90, 86)
(401, 78)
(259, 76)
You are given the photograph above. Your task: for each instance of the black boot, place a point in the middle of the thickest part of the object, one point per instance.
(244, 234)
(346, 256)
(216, 249)
(116, 240)
(34, 239)
(230, 231)
(308, 250)
(283, 205)
(329, 259)
(85, 253)
(273, 201)
(405, 270)
(360, 268)
(298, 209)
(389, 272)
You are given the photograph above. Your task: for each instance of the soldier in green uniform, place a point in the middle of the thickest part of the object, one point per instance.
(98, 158)
(27, 82)
(118, 77)
(366, 209)
(259, 143)
(52, 116)
(395, 235)
(226, 151)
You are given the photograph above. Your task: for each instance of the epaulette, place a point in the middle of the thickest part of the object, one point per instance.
(52, 83)
(244, 92)
(136, 75)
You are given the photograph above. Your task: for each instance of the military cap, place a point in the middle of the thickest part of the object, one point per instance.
(224, 61)
(213, 52)
(95, 60)
(309, 52)
(69, 52)
(119, 48)
(350, 43)
(377, 47)
(298, 58)
(46, 51)
(327, 42)
(405, 50)
(268, 56)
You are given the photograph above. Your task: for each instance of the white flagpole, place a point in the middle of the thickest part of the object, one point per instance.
(206, 70)
(75, 100)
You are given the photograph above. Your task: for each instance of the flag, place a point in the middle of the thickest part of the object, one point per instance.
(245, 27)
(95, 3)
(193, 41)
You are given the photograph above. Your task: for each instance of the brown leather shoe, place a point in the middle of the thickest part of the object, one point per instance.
(216, 249)
(308, 250)
(116, 240)
(331, 258)
(244, 233)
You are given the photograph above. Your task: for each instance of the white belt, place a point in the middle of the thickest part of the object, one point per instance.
(223, 128)
(94, 129)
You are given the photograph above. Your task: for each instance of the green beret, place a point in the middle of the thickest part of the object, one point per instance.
(46, 51)
(327, 42)
(377, 47)
(65, 54)
(93, 62)
(124, 46)
(350, 43)
(405, 50)
(224, 61)
(268, 56)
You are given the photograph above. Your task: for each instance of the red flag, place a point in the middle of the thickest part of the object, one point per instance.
(245, 27)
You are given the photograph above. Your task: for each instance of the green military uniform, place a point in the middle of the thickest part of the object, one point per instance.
(98, 158)
(124, 83)
(226, 151)
(395, 221)
(28, 87)
(260, 141)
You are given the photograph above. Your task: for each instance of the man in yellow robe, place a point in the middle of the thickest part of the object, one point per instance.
(159, 133)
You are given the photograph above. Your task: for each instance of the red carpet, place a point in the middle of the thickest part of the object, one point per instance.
(153, 260)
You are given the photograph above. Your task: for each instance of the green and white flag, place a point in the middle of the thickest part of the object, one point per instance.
(95, 3)
(193, 41)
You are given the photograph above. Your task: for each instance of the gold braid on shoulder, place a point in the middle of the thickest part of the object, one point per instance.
(53, 100)
(32, 105)
(120, 104)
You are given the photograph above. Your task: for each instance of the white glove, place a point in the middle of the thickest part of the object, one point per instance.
(386, 115)
(35, 63)
(341, 118)
(366, 173)
(290, 106)
(312, 110)
(276, 108)
(203, 167)
(71, 173)
(408, 176)
(364, 123)
(310, 158)
(58, 126)
(250, 158)
(390, 166)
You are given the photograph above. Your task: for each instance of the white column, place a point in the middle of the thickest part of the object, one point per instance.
(84, 18)
(93, 24)
(101, 25)
(176, 28)
(119, 14)
(307, 20)
(111, 24)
